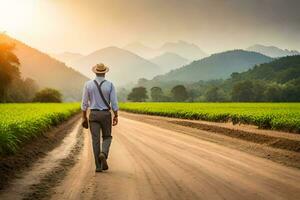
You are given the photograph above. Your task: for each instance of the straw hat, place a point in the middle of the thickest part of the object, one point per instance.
(100, 69)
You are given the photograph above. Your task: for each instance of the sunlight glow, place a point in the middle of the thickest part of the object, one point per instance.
(16, 14)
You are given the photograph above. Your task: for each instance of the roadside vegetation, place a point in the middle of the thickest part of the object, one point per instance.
(14, 88)
(279, 116)
(21, 122)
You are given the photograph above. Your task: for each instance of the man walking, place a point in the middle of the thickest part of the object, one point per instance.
(99, 96)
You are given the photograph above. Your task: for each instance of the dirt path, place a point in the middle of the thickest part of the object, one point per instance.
(149, 162)
(35, 183)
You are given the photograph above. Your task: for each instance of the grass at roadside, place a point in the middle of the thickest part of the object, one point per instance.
(21, 122)
(279, 116)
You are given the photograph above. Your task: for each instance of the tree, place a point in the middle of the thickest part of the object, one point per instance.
(215, 94)
(235, 76)
(122, 94)
(21, 90)
(157, 94)
(259, 88)
(273, 93)
(9, 68)
(243, 91)
(291, 90)
(30, 88)
(179, 93)
(48, 95)
(193, 94)
(138, 94)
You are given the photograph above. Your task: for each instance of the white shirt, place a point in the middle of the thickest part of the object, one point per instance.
(92, 99)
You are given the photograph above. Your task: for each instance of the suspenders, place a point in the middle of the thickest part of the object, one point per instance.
(101, 94)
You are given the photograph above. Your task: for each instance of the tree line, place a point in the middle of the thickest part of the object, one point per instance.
(14, 88)
(139, 94)
(243, 91)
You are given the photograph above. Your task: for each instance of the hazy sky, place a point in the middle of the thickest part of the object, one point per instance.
(215, 25)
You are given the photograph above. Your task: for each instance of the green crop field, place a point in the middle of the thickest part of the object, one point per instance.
(280, 116)
(21, 122)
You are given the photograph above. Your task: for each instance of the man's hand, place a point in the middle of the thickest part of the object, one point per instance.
(84, 122)
(84, 118)
(84, 115)
(115, 120)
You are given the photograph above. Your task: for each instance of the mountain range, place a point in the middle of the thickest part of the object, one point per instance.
(46, 71)
(216, 66)
(166, 61)
(142, 50)
(169, 61)
(184, 49)
(125, 66)
(272, 51)
(122, 61)
(128, 67)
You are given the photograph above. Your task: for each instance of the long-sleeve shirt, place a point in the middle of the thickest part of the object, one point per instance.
(92, 99)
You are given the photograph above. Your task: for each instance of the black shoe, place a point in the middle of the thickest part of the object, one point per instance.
(103, 162)
(98, 169)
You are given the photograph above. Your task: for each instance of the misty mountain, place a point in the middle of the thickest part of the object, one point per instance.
(67, 57)
(216, 66)
(272, 51)
(46, 71)
(142, 50)
(169, 61)
(125, 66)
(281, 70)
(184, 49)
(275, 81)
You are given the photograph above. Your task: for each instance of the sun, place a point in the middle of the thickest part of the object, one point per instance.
(16, 14)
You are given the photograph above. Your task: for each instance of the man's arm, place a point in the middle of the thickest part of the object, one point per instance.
(114, 104)
(84, 115)
(84, 103)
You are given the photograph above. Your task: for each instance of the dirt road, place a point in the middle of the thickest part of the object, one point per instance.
(148, 162)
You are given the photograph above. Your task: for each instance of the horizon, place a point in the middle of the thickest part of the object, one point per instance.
(45, 24)
(122, 47)
(208, 54)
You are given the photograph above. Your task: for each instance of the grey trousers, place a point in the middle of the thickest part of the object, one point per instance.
(100, 121)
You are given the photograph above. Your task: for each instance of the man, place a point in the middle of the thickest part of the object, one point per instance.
(99, 96)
